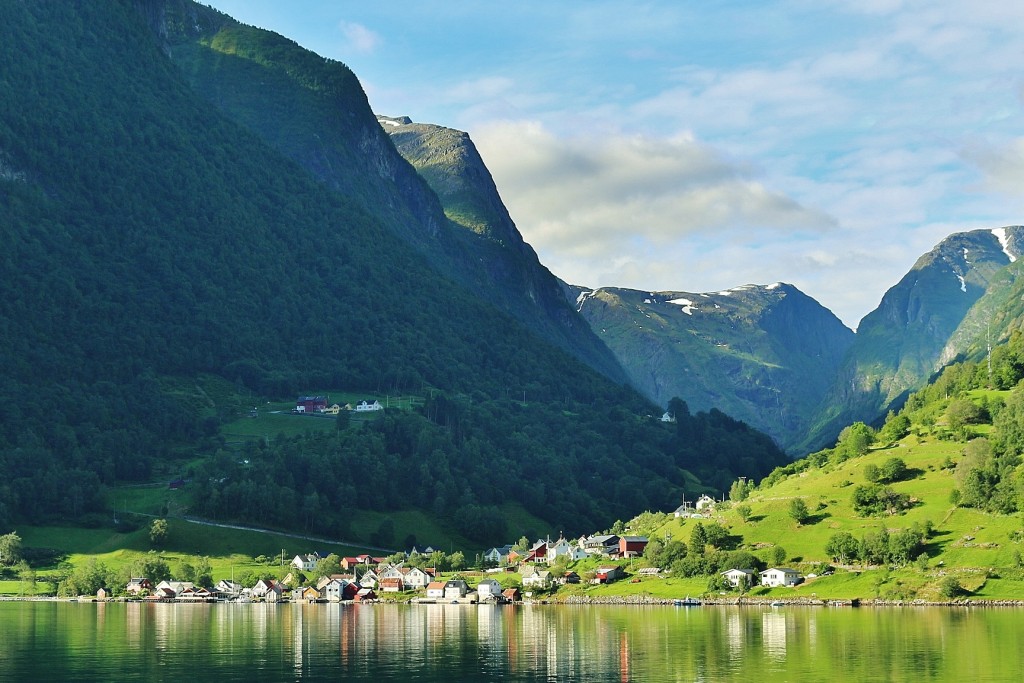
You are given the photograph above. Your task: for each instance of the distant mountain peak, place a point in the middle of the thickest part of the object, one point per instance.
(394, 121)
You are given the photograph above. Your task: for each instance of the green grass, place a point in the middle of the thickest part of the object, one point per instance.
(275, 417)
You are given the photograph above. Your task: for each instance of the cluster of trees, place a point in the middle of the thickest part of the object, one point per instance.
(575, 465)
(880, 547)
(710, 551)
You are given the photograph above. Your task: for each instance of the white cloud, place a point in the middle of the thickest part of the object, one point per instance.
(358, 37)
(1002, 166)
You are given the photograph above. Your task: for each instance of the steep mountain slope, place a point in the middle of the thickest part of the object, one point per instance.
(150, 239)
(450, 163)
(916, 328)
(313, 111)
(765, 355)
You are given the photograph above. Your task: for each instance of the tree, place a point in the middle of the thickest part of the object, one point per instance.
(842, 547)
(950, 588)
(457, 560)
(778, 555)
(152, 567)
(716, 535)
(962, 412)
(895, 428)
(855, 440)
(893, 469)
(740, 490)
(905, 545)
(27, 575)
(10, 549)
(204, 572)
(744, 511)
(329, 565)
(798, 510)
(158, 531)
(698, 539)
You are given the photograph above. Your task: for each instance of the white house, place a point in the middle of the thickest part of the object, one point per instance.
(705, 502)
(306, 563)
(488, 589)
(416, 578)
(334, 590)
(435, 590)
(537, 579)
(455, 588)
(668, 417)
(557, 549)
(226, 587)
(366, 406)
(175, 587)
(780, 576)
(735, 576)
(267, 589)
(369, 579)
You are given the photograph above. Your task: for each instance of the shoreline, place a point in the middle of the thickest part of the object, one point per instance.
(584, 601)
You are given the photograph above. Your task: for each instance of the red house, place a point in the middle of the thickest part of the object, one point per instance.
(311, 404)
(632, 546)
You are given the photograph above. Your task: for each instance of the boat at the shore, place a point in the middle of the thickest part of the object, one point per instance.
(687, 602)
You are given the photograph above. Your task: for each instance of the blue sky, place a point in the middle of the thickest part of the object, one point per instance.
(700, 146)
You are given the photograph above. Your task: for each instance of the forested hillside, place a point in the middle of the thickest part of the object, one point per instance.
(314, 112)
(150, 239)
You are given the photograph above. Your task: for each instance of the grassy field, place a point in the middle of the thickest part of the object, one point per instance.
(276, 417)
(229, 551)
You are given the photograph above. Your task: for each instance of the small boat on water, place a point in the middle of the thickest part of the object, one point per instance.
(687, 602)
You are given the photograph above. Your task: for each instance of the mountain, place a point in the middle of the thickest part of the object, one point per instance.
(764, 354)
(314, 112)
(162, 227)
(922, 323)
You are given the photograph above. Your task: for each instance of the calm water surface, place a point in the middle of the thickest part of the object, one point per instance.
(224, 642)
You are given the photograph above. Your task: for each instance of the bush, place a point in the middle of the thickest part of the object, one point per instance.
(950, 587)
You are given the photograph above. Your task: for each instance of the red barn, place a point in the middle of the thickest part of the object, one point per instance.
(311, 404)
(632, 546)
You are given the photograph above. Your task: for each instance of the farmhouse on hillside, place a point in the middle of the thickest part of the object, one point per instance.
(780, 576)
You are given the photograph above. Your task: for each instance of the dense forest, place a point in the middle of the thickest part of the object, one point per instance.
(461, 459)
(147, 236)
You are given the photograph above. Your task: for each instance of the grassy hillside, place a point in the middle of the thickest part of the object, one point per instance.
(929, 506)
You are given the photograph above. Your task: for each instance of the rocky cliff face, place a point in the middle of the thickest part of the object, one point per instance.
(453, 168)
(763, 354)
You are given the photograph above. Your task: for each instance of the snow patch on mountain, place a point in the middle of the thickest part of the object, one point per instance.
(1000, 234)
(583, 297)
(687, 305)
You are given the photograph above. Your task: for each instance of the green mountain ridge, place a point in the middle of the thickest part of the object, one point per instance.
(314, 112)
(921, 323)
(157, 232)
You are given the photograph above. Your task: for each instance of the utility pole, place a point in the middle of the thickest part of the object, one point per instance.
(989, 347)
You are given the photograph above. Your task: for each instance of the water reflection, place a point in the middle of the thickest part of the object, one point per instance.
(448, 643)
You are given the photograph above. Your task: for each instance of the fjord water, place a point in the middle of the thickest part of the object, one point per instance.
(51, 641)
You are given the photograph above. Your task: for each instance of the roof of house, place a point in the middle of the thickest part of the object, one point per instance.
(633, 539)
(785, 570)
(436, 585)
